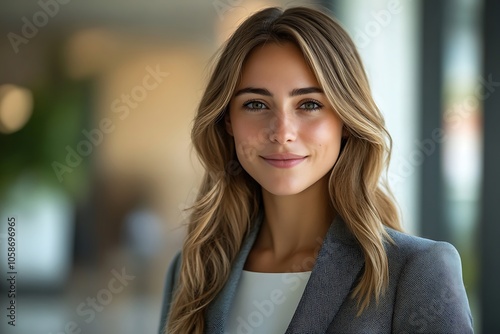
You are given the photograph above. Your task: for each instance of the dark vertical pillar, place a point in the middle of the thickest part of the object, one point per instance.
(432, 220)
(489, 242)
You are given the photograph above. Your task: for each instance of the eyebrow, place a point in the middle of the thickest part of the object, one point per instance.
(265, 92)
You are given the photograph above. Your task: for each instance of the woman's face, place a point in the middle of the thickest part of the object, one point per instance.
(287, 136)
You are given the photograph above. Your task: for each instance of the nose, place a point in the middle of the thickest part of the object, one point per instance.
(283, 129)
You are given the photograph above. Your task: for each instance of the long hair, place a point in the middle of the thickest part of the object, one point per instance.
(229, 198)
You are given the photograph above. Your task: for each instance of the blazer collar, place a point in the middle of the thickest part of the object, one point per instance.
(337, 267)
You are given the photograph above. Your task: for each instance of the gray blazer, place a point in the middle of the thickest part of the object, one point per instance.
(425, 294)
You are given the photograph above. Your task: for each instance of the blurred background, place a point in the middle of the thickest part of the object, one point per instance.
(96, 166)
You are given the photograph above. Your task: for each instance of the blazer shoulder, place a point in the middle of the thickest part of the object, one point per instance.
(416, 259)
(426, 277)
(410, 245)
(171, 279)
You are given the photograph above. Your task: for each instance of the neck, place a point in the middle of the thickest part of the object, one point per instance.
(296, 223)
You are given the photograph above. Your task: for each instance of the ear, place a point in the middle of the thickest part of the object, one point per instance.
(227, 121)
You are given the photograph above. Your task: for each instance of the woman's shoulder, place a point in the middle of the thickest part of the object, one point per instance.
(175, 264)
(425, 277)
(421, 259)
(406, 246)
(424, 269)
(168, 291)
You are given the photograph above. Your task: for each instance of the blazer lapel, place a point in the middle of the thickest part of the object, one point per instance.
(337, 267)
(218, 311)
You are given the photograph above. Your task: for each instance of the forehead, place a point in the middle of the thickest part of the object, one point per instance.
(274, 64)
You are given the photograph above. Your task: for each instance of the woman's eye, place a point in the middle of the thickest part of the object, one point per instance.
(254, 105)
(310, 105)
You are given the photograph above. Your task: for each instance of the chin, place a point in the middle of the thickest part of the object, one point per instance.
(283, 190)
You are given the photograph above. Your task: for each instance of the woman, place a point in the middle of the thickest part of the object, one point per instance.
(293, 230)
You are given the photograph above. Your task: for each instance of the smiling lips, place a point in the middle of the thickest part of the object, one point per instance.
(284, 160)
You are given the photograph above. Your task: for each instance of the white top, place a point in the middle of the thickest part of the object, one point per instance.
(265, 302)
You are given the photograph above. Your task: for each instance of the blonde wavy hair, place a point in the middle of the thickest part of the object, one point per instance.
(229, 199)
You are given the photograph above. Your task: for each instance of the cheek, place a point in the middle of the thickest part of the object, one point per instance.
(326, 136)
(247, 138)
